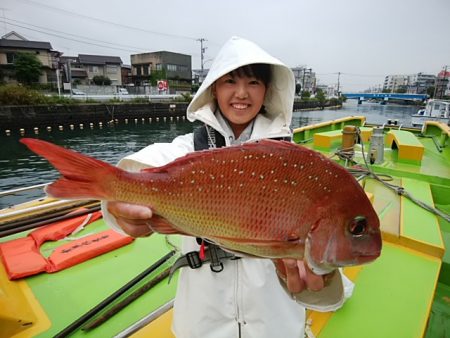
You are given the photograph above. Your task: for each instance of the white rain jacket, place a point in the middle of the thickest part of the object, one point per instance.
(246, 299)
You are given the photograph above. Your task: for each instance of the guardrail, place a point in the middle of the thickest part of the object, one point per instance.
(124, 97)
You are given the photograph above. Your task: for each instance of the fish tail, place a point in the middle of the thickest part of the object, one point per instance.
(84, 177)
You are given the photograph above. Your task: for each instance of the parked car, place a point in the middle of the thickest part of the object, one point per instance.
(123, 91)
(77, 92)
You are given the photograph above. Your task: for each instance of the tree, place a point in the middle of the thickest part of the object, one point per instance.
(320, 96)
(28, 68)
(305, 94)
(157, 75)
(101, 80)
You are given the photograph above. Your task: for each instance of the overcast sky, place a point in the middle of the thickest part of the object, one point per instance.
(363, 40)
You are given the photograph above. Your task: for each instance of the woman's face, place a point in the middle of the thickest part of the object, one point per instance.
(240, 99)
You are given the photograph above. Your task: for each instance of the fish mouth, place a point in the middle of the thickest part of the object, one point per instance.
(367, 258)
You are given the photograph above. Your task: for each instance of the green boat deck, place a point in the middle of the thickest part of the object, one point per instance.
(395, 295)
(405, 293)
(65, 296)
(392, 297)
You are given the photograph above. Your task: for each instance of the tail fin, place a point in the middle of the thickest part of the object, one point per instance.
(83, 177)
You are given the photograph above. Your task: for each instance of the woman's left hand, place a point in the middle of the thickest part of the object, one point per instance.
(298, 276)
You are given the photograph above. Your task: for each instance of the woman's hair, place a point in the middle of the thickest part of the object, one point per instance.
(261, 71)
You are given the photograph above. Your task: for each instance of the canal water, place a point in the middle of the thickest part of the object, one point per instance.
(20, 168)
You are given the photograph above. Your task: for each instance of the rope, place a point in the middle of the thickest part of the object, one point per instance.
(367, 171)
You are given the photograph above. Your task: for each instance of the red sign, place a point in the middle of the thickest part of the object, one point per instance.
(163, 85)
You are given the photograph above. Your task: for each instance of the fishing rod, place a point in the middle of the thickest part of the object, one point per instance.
(44, 208)
(71, 328)
(47, 215)
(14, 228)
(15, 191)
(129, 299)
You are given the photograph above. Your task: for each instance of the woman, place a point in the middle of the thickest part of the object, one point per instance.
(247, 95)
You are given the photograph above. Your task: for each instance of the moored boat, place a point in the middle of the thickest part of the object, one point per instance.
(435, 110)
(406, 173)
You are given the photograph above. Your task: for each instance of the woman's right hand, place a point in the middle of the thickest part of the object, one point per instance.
(134, 219)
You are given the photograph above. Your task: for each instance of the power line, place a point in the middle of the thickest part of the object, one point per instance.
(133, 48)
(40, 5)
(66, 38)
(363, 75)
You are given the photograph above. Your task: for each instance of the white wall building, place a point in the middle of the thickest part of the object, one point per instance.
(395, 82)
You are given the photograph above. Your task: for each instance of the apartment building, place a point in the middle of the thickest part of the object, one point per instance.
(306, 78)
(420, 82)
(394, 83)
(175, 67)
(442, 84)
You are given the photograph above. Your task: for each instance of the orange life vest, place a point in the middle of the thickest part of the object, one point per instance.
(22, 257)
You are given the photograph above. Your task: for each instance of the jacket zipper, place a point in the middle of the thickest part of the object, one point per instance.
(237, 291)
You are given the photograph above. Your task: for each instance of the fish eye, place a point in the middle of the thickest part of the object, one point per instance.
(357, 226)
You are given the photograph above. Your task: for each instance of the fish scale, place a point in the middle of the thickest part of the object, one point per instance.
(268, 198)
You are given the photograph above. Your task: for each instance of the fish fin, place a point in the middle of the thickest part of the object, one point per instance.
(84, 177)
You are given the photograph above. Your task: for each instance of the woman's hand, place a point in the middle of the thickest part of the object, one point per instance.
(132, 218)
(298, 277)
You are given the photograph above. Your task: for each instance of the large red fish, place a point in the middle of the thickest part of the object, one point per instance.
(268, 198)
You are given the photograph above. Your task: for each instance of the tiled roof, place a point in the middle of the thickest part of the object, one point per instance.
(99, 59)
(25, 44)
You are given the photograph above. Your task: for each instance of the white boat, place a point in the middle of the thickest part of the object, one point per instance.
(435, 110)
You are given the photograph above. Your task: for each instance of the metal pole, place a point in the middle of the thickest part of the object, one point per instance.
(69, 70)
(57, 81)
(303, 82)
(338, 85)
(202, 51)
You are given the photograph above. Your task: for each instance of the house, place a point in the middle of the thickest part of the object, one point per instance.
(126, 75)
(13, 43)
(175, 68)
(83, 68)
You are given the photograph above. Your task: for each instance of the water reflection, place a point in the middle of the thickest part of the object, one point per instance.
(375, 113)
(20, 167)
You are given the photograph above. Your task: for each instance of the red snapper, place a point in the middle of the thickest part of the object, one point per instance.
(268, 198)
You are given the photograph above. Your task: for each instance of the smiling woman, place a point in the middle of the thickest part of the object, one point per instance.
(240, 94)
(247, 96)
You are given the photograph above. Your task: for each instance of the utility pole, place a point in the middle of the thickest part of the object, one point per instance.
(309, 78)
(202, 51)
(303, 82)
(338, 86)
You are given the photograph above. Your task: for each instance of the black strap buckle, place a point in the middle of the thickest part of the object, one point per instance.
(193, 259)
(216, 265)
(213, 254)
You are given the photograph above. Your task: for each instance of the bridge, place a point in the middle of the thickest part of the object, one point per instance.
(385, 96)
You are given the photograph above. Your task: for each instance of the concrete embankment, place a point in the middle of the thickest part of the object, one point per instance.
(62, 116)
(13, 117)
